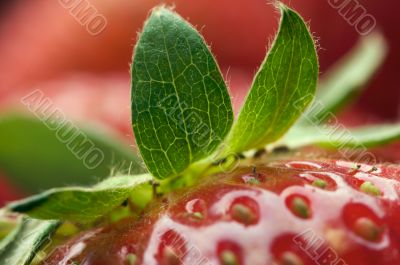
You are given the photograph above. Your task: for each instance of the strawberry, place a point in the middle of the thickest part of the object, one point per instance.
(291, 211)
(218, 190)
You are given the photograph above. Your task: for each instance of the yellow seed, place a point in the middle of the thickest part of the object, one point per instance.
(228, 258)
(300, 207)
(319, 183)
(370, 188)
(131, 259)
(243, 214)
(290, 258)
(367, 229)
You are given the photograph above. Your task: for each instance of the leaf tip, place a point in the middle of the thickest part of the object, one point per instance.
(161, 10)
(280, 6)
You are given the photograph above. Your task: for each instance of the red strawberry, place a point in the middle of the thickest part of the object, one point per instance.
(286, 211)
(299, 208)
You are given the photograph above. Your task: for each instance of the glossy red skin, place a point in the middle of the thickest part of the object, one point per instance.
(273, 232)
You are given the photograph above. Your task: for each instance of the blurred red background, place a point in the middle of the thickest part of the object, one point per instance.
(43, 46)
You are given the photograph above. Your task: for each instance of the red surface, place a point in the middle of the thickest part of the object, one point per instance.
(7, 193)
(43, 41)
(332, 232)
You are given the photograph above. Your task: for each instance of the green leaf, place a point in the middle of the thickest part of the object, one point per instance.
(181, 109)
(21, 245)
(80, 204)
(35, 158)
(347, 77)
(337, 137)
(282, 89)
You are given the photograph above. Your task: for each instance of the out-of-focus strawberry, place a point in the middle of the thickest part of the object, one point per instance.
(83, 98)
(43, 41)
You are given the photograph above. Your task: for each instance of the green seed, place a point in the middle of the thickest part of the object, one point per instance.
(253, 181)
(131, 259)
(300, 207)
(320, 183)
(370, 188)
(198, 215)
(243, 214)
(229, 258)
(367, 229)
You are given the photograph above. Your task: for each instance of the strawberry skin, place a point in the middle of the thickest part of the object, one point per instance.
(283, 212)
